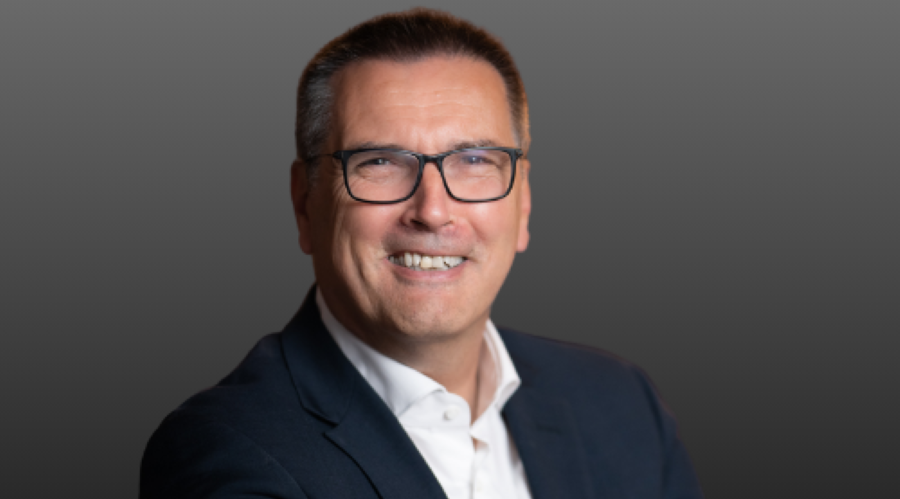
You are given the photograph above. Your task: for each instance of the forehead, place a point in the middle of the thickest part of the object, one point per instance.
(429, 103)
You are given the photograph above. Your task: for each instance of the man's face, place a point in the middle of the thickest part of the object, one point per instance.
(430, 106)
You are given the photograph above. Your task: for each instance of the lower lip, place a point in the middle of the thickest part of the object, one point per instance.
(428, 275)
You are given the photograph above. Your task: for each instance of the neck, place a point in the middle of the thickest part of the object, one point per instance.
(453, 362)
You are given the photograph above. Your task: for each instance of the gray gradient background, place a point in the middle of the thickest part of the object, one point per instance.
(715, 198)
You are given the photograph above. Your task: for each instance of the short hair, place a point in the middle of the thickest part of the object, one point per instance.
(406, 36)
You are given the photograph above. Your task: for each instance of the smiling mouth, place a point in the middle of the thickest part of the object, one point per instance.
(417, 261)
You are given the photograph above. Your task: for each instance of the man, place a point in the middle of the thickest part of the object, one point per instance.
(411, 194)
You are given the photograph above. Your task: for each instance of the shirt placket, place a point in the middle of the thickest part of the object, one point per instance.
(482, 488)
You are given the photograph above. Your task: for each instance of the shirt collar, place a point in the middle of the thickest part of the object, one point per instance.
(401, 386)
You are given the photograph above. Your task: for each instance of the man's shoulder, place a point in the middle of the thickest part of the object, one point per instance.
(554, 366)
(249, 428)
(556, 356)
(260, 381)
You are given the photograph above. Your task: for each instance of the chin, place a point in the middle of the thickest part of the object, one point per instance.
(429, 321)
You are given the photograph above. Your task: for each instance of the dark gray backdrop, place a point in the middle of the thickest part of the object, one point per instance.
(715, 198)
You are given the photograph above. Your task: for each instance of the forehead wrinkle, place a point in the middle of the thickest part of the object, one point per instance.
(406, 111)
(427, 120)
(409, 100)
(437, 99)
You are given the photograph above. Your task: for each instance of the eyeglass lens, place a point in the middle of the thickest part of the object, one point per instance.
(472, 174)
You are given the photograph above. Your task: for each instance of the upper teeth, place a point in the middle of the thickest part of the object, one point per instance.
(426, 262)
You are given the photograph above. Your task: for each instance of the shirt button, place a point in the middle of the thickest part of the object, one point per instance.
(451, 412)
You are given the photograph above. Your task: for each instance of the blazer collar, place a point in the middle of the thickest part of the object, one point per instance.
(330, 387)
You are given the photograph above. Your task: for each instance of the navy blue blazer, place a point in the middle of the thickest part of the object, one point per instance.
(297, 420)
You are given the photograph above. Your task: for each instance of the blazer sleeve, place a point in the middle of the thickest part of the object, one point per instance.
(679, 479)
(192, 457)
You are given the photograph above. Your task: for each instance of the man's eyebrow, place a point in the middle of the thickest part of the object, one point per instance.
(373, 145)
(469, 144)
(465, 144)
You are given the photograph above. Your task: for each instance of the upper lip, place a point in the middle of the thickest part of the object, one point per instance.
(428, 252)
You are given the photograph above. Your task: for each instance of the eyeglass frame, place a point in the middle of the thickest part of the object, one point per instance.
(438, 159)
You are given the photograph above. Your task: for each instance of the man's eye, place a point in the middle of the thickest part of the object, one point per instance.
(376, 162)
(476, 160)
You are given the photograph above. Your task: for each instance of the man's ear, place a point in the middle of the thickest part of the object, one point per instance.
(300, 187)
(524, 205)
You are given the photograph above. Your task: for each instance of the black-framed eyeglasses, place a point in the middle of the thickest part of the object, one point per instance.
(472, 175)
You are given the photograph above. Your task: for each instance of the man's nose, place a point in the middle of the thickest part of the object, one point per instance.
(431, 203)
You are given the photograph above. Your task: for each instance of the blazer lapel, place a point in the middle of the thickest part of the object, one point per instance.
(373, 437)
(543, 428)
(365, 429)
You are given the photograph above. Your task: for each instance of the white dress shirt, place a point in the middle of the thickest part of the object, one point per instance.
(470, 460)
